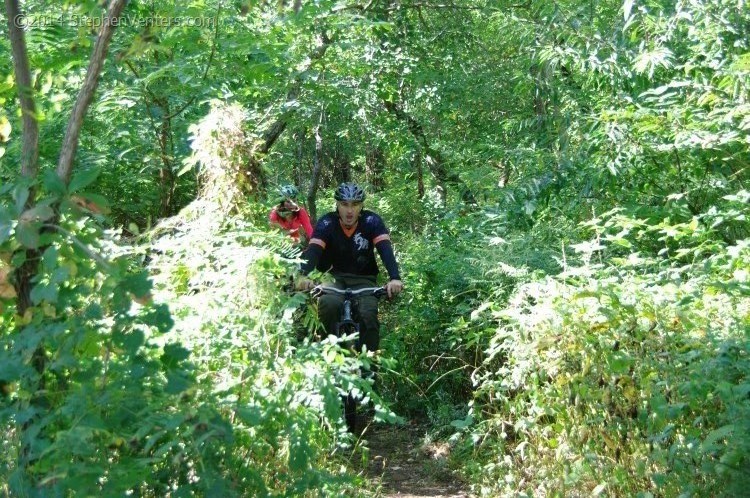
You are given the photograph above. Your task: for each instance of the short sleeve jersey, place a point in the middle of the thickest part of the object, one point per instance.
(349, 253)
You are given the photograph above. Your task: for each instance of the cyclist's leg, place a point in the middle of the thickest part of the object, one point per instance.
(369, 327)
(329, 310)
(329, 313)
(367, 313)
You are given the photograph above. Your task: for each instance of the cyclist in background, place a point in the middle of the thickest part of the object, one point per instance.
(290, 217)
(344, 243)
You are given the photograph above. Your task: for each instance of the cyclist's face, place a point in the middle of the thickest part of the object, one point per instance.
(286, 208)
(348, 212)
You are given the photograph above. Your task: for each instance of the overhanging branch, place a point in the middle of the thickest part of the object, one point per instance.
(86, 95)
(278, 127)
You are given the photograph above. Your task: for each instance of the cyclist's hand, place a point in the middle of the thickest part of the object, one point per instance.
(393, 288)
(304, 284)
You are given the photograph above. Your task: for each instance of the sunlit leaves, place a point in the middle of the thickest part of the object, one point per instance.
(649, 61)
(5, 129)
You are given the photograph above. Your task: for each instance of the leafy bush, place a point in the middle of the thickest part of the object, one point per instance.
(110, 392)
(628, 377)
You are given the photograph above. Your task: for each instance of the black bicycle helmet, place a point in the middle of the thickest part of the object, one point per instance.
(349, 192)
(288, 192)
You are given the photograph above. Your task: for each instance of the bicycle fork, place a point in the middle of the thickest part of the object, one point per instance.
(350, 402)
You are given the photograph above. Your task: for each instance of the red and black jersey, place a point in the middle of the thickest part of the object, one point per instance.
(350, 251)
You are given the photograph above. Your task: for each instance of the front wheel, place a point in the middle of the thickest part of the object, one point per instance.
(350, 412)
(349, 401)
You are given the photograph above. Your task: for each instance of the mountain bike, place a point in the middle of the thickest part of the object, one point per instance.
(347, 325)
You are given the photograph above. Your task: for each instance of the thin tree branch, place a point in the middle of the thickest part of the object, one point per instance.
(317, 168)
(83, 247)
(428, 5)
(278, 127)
(86, 95)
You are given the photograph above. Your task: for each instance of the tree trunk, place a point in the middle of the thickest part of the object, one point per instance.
(166, 172)
(342, 167)
(277, 128)
(374, 166)
(24, 275)
(315, 181)
(432, 157)
(417, 163)
(30, 147)
(299, 138)
(86, 95)
(505, 171)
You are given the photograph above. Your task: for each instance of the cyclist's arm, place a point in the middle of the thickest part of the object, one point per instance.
(387, 256)
(385, 249)
(312, 254)
(273, 216)
(304, 218)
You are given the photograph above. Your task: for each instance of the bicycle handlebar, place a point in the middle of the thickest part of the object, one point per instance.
(320, 290)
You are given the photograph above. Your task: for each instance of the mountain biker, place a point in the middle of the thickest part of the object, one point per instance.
(343, 243)
(289, 216)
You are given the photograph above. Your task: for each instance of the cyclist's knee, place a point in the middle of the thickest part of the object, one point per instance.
(329, 306)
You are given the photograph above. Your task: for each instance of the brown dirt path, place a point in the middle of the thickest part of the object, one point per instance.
(404, 465)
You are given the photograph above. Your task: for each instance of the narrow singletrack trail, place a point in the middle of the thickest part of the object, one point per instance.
(405, 465)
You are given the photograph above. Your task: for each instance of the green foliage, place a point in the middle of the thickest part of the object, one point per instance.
(627, 376)
(91, 393)
(236, 407)
(457, 263)
(280, 392)
(615, 130)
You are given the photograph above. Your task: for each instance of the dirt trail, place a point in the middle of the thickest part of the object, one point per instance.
(406, 466)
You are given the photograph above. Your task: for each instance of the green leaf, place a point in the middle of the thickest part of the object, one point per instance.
(53, 183)
(177, 382)
(28, 234)
(299, 455)
(159, 317)
(250, 415)
(101, 204)
(12, 368)
(627, 8)
(37, 213)
(138, 284)
(174, 354)
(465, 423)
(187, 167)
(6, 223)
(129, 341)
(620, 364)
(5, 129)
(44, 291)
(710, 443)
(83, 179)
(20, 196)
